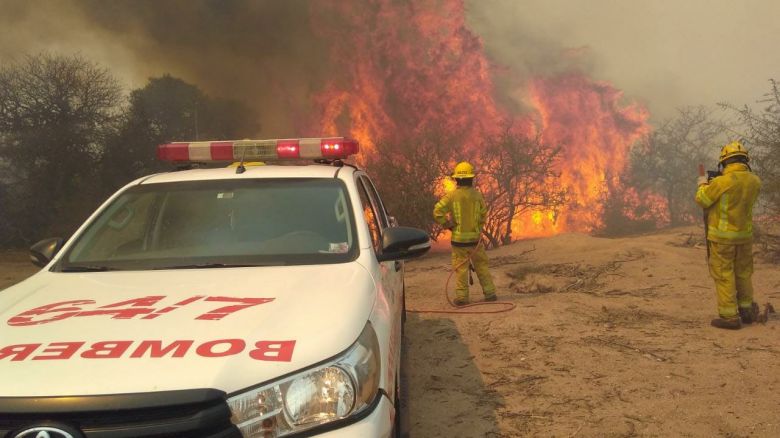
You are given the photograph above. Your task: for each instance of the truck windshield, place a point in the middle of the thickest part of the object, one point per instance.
(219, 223)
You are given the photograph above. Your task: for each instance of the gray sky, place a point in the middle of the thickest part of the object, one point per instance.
(665, 53)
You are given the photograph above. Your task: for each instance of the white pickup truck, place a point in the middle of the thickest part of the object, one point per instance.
(255, 300)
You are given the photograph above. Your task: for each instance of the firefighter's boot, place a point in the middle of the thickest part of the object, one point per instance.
(732, 323)
(749, 315)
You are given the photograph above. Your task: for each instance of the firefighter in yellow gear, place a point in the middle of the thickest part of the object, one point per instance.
(728, 200)
(463, 212)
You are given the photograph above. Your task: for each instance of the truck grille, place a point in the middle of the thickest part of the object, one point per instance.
(197, 413)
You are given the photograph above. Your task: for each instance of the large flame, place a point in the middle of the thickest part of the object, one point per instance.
(595, 131)
(409, 66)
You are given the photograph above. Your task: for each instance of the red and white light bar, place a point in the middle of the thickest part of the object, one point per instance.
(331, 148)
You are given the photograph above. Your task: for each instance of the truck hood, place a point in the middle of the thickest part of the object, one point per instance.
(222, 328)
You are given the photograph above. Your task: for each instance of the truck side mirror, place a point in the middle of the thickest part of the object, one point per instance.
(42, 252)
(400, 243)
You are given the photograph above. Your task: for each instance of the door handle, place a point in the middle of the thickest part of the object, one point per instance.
(398, 265)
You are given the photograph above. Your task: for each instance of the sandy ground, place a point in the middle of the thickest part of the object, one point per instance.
(610, 338)
(15, 266)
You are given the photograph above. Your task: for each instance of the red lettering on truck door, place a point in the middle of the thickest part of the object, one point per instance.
(155, 349)
(227, 310)
(106, 350)
(275, 351)
(62, 310)
(64, 350)
(126, 309)
(213, 349)
(19, 352)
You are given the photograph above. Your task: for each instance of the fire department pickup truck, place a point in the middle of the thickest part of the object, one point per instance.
(255, 300)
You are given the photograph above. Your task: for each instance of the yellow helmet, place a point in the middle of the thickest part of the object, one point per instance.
(733, 149)
(463, 170)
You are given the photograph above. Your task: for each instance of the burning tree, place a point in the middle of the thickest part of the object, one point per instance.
(421, 67)
(518, 176)
(409, 173)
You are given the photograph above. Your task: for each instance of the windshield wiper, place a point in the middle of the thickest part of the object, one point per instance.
(86, 269)
(216, 265)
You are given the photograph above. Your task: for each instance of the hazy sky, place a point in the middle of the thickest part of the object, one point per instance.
(665, 53)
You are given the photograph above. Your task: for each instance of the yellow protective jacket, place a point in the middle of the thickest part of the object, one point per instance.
(729, 200)
(468, 211)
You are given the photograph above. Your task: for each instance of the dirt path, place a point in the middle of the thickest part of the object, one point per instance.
(610, 338)
(15, 266)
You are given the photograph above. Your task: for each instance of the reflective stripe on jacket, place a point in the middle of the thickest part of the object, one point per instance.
(729, 199)
(468, 211)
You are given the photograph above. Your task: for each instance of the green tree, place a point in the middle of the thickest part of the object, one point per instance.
(169, 109)
(7, 231)
(55, 114)
(666, 161)
(762, 130)
(624, 212)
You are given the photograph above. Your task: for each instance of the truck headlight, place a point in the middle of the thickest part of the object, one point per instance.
(332, 391)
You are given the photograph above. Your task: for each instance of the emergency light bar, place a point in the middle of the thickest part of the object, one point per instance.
(331, 148)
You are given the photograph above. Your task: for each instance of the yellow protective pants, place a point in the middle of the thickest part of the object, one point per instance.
(460, 263)
(731, 266)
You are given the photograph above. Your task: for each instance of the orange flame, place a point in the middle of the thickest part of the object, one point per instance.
(595, 132)
(408, 67)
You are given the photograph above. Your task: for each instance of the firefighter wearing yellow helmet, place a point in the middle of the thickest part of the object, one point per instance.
(728, 201)
(463, 212)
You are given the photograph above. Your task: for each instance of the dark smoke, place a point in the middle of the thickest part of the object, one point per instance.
(260, 52)
(266, 52)
(272, 54)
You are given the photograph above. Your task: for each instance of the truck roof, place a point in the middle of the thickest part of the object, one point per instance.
(252, 171)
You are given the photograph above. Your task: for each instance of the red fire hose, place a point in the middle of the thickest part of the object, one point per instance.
(503, 306)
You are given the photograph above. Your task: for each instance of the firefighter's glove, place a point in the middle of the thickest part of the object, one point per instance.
(702, 180)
